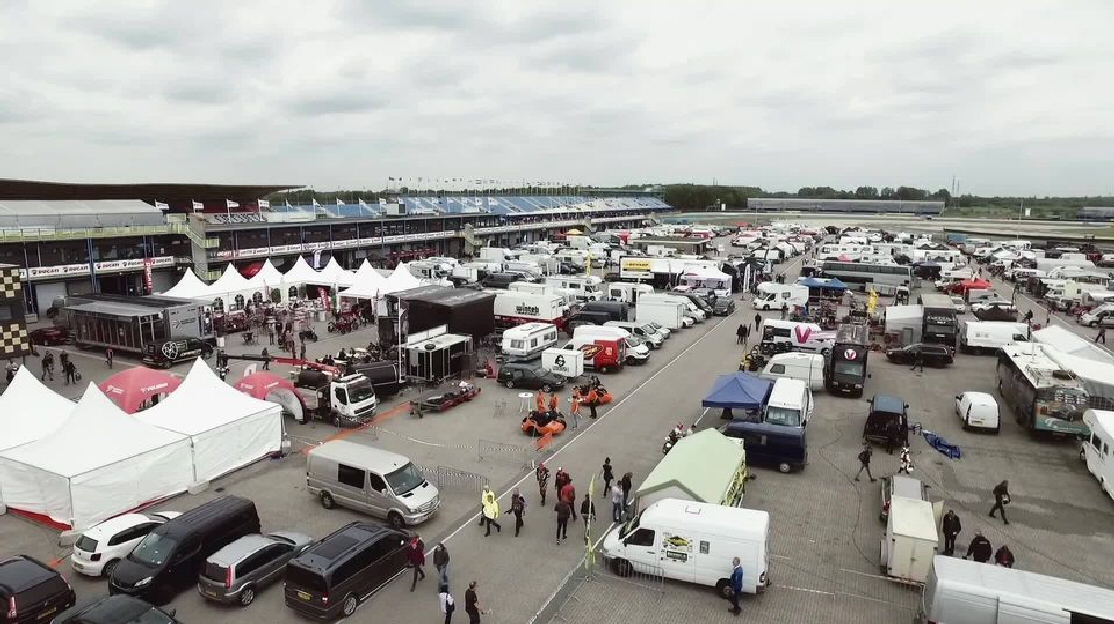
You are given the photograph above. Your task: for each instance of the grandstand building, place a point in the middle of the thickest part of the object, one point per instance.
(72, 239)
(875, 206)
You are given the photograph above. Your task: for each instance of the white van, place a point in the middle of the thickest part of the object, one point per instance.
(693, 542)
(691, 311)
(587, 288)
(637, 350)
(528, 340)
(799, 336)
(807, 367)
(989, 336)
(374, 481)
(645, 331)
(1096, 449)
(790, 403)
(978, 409)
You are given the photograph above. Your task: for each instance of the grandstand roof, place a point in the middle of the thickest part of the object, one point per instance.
(150, 192)
(69, 214)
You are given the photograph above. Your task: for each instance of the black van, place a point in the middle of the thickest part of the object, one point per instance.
(777, 446)
(31, 591)
(170, 557)
(617, 310)
(347, 566)
(586, 317)
(168, 353)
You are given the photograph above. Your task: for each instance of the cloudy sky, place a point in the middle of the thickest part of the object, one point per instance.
(1012, 97)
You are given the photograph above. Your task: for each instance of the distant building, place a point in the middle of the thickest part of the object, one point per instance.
(1096, 213)
(872, 206)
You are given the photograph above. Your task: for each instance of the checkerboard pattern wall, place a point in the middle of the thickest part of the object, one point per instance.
(10, 284)
(13, 331)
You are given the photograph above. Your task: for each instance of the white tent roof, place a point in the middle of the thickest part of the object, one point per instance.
(228, 429)
(1067, 341)
(230, 283)
(368, 283)
(334, 274)
(189, 287)
(301, 273)
(97, 433)
(401, 279)
(30, 411)
(268, 275)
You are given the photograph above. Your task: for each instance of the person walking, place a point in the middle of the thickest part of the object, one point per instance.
(542, 474)
(952, 527)
(736, 585)
(490, 511)
(559, 481)
(1101, 335)
(627, 484)
(616, 504)
(918, 360)
(108, 355)
(757, 321)
(979, 549)
(266, 362)
(593, 402)
(518, 507)
(740, 333)
(746, 334)
(472, 604)
(608, 477)
(587, 512)
(271, 333)
(568, 494)
(1001, 499)
(783, 313)
(11, 369)
(302, 351)
(71, 372)
(415, 557)
(574, 410)
(1004, 557)
(448, 605)
(46, 370)
(441, 563)
(564, 510)
(906, 461)
(554, 403)
(864, 463)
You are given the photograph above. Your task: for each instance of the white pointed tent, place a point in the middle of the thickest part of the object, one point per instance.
(227, 429)
(300, 273)
(230, 284)
(368, 283)
(267, 276)
(101, 462)
(401, 279)
(334, 275)
(189, 287)
(30, 411)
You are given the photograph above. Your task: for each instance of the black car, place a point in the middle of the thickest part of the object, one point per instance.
(888, 418)
(31, 591)
(530, 377)
(930, 354)
(501, 280)
(50, 336)
(568, 268)
(996, 312)
(116, 610)
(723, 306)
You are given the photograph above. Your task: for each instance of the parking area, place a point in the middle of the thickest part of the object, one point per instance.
(825, 529)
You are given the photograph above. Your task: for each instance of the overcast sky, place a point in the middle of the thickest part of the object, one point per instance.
(1012, 97)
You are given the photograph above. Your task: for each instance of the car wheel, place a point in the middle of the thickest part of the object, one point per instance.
(547, 388)
(508, 384)
(395, 521)
(327, 500)
(336, 420)
(247, 595)
(348, 607)
(106, 571)
(784, 468)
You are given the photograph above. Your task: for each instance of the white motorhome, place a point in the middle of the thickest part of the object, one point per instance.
(693, 542)
(586, 286)
(989, 336)
(528, 340)
(806, 367)
(789, 404)
(1096, 448)
(516, 308)
(782, 297)
(799, 336)
(969, 592)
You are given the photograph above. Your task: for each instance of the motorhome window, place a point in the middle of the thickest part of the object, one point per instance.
(534, 343)
(518, 344)
(705, 547)
(405, 479)
(351, 476)
(777, 369)
(377, 482)
(641, 537)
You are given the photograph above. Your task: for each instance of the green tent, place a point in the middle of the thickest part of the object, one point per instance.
(706, 467)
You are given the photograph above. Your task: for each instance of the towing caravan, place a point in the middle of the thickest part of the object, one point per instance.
(528, 340)
(1096, 448)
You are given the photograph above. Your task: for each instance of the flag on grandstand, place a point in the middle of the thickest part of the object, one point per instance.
(197, 206)
(340, 202)
(263, 203)
(382, 201)
(228, 203)
(315, 204)
(363, 204)
(161, 206)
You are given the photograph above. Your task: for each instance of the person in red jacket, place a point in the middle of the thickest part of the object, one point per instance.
(415, 556)
(568, 495)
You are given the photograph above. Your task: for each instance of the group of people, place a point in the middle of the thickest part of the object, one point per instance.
(565, 492)
(69, 369)
(415, 557)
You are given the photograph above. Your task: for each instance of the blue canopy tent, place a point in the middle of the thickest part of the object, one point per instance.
(829, 284)
(738, 391)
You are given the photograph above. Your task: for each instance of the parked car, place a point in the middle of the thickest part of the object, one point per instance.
(723, 306)
(978, 410)
(31, 591)
(888, 414)
(990, 303)
(931, 354)
(50, 336)
(568, 268)
(236, 572)
(997, 311)
(959, 304)
(102, 546)
(120, 609)
(529, 377)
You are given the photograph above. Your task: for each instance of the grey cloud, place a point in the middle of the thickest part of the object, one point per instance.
(358, 99)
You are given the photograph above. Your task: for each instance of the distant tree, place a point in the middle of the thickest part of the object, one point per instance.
(944, 195)
(806, 191)
(866, 192)
(886, 193)
(909, 193)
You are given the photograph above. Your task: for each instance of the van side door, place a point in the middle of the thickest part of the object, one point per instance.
(350, 485)
(185, 564)
(642, 550)
(677, 556)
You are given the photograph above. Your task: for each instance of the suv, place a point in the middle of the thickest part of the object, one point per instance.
(529, 376)
(234, 573)
(347, 566)
(31, 591)
(101, 547)
(116, 610)
(931, 354)
(888, 417)
(175, 350)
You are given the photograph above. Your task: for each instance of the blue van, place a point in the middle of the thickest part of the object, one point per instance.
(776, 446)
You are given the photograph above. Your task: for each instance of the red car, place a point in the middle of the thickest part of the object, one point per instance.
(50, 336)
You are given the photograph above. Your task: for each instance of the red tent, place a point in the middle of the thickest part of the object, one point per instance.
(259, 384)
(972, 284)
(130, 388)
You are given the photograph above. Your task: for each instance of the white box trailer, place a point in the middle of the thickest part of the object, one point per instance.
(910, 541)
(528, 340)
(669, 314)
(565, 362)
(514, 308)
(626, 292)
(968, 592)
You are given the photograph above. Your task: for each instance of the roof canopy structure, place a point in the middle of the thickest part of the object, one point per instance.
(334, 275)
(30, 411)
(267, 275)
(232, 283)
(131, 387)
(189, 287)
(738, 391)
(301, 273)
(703, 466)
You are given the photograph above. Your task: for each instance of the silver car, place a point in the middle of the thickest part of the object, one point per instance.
(236, 572)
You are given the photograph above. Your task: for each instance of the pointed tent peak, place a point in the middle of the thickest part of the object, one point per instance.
(333, 263)
(95, 402)
(189, 287)
(301, 272)
(27, 395)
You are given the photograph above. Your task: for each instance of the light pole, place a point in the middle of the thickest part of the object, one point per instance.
(401, 316)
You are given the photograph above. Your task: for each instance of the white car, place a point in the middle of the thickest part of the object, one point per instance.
(990, 303)
(978, 410)
(101, 547)
(959, 304)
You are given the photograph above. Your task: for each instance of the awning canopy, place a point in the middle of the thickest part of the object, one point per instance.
(30, 411)
(129, 388)
(738, 391)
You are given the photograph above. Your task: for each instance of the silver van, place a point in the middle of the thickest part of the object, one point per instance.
(374, 481)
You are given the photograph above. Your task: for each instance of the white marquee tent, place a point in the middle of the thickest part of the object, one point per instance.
(30, 411)
(401, 279)
(334, 275)
(301, 273)
(368, 284)
(231, 283)
(189, 287)
(267, 276)
(227, 429)
(99, 463)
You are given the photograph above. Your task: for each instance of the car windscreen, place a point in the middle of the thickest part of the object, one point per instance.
(848, 369)
(153, 550)
(405, 479)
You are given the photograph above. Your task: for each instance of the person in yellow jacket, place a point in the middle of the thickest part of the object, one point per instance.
(489, 511)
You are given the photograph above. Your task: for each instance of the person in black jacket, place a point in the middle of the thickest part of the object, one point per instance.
(980, 548)
(952, 526)
(588, 512)
(1001, 499)
(1004, 557)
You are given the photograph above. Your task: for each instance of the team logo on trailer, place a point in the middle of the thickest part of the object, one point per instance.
(850, 355)
(802, 332)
